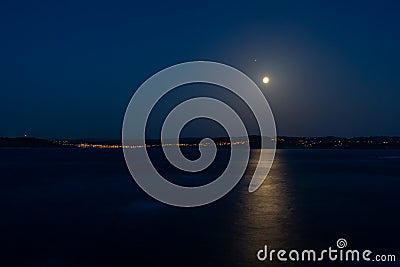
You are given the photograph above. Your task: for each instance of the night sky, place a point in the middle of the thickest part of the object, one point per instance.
(69, 68)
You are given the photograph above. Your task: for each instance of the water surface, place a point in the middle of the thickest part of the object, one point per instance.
(77, 207)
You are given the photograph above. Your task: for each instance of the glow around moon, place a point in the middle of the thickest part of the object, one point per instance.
(265, 80)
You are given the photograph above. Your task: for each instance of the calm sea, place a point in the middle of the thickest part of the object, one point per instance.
(77, 207)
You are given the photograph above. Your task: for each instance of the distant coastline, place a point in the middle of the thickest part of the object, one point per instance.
(283, 142)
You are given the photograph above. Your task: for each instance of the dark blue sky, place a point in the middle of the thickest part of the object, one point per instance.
(69, 68)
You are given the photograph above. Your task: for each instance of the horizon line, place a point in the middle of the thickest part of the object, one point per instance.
(193, 137)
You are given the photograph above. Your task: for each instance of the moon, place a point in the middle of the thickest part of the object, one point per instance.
(265, 80)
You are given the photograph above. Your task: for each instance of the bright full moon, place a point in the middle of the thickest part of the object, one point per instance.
(265, 80)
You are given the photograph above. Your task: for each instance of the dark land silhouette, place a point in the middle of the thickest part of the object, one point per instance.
(283, 142)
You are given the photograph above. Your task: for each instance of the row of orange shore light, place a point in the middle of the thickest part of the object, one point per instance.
(102, 146)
